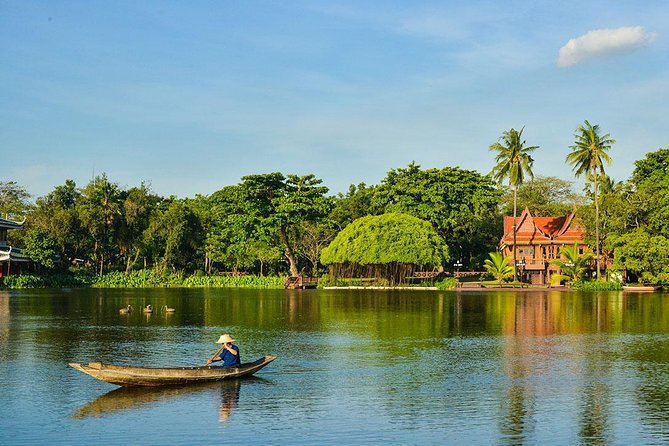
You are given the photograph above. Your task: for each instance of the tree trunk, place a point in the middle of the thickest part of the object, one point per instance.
(596, 224)
(515, 262)
(290, 253)
(131, 263)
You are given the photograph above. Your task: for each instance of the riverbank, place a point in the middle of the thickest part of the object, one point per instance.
(152, 279)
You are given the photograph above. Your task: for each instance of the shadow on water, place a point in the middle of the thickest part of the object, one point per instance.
(126, 399)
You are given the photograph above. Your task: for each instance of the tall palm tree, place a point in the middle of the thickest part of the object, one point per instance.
(588, 156)
(513, 163)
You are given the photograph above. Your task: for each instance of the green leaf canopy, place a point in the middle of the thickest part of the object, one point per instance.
(385, 239)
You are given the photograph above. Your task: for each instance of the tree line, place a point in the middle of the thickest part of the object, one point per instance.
(279, 223)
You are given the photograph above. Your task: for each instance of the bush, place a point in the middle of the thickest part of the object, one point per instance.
(275, 282)
(447, 284)
(47, 281)
(597, 285)
(326, 280)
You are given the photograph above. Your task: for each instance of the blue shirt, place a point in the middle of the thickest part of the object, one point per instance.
(230, 360)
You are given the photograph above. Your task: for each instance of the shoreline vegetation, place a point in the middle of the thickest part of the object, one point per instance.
(151, 279)
(273, 226)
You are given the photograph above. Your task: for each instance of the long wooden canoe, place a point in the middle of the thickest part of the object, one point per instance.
(154, 376)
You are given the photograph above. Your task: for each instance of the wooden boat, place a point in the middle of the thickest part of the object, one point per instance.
(638, 288)
(154, 376)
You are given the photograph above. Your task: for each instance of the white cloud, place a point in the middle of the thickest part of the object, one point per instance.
(602, 42)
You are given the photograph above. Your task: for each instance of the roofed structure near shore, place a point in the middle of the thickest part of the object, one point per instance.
(538, 241)
(9, 254)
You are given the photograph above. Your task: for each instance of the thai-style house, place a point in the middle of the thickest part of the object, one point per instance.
(538, 241)
(11, 258)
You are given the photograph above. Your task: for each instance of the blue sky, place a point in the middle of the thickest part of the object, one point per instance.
(191, 96)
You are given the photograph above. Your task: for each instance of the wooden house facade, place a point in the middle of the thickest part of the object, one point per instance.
(538, 241)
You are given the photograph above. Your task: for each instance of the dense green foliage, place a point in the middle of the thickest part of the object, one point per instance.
(498, 267)
(387, 238)
(635, 217)
(13, 199)
(149, 278)
(390, 245)
(138, 279)
(462, 205)
(597, 285)
(572, 264)
(40, 247)
(278, 225)
(47, 281)
(644, 255)
(446, 284)
(544, 196)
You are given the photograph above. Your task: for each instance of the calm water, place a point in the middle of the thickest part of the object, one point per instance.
(354, 367)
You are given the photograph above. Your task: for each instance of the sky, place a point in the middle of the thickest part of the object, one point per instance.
(191, 96)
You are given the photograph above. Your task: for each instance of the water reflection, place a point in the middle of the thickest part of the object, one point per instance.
(403, 368)
(229, 399)
(226, 394)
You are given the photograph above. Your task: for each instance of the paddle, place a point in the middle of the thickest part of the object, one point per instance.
(216, 354)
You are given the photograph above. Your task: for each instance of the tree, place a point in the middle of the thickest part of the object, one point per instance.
(644, 255)
(99, 209)
(283, 204)
(40, 247)
(137, 207)
(498, 267)
(544, 196)
(57, 214)
(574, 266)
(513, 163)
(588, 156)
(174, 235)
(13, 199)
(650, 182)
(390, 246)
(314, 238)
(356, 203)
(461, 205)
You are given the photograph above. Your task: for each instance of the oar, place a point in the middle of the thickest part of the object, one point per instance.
(216, 354)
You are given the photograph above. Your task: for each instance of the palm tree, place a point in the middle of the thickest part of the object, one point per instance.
(513, 163)
(574, 267)
(498, 267)
(587, 157)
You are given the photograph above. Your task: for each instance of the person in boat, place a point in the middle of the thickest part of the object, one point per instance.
(229, 353)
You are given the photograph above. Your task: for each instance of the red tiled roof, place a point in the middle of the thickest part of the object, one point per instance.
(536, 230)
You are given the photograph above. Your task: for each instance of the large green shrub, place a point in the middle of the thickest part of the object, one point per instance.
(387, 238)
(389, 247)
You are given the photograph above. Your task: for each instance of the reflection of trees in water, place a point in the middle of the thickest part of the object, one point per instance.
(4, 326)
(518, 409)
(595, 396)
(529, 319)
(594, 414)
(651, 358)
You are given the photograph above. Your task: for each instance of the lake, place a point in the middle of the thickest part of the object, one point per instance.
(354, 367)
